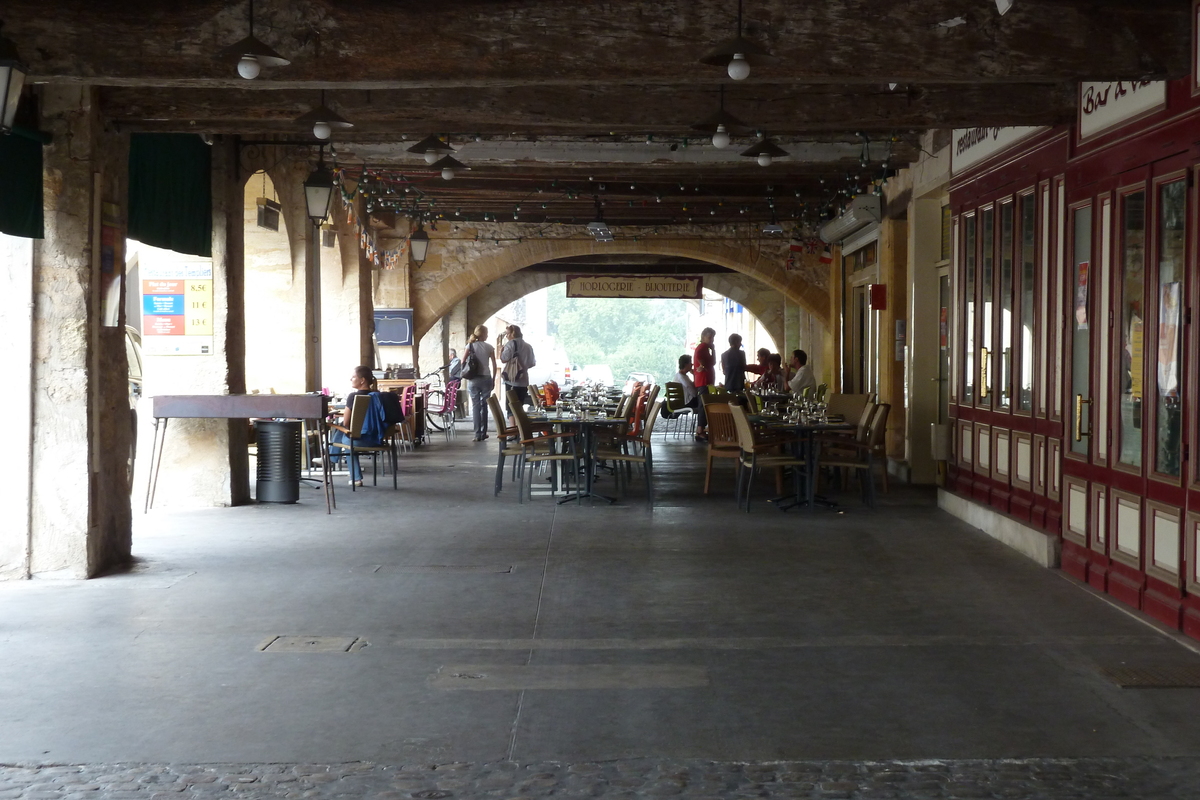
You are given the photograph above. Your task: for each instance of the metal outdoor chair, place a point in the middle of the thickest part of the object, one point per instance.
(358, 417)
(644, 457)
(756, 453)
(861, 456)
(540, 448)
(509, 446)
(675, 409)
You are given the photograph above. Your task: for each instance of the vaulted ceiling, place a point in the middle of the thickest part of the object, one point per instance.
(554, 104)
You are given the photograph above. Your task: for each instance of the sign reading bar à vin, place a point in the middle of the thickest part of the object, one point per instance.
(678, 287)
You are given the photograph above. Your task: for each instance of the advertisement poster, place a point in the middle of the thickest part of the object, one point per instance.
(1168, 340)
(1081, 297)
(177, 309)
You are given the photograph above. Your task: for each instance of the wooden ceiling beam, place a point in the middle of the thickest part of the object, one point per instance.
(481, 43)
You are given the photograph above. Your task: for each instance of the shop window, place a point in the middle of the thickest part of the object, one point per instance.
(1025, 346)
(969, 309)
(1169, 388)
(1005, 303)
(987, 262)
(1133, 315)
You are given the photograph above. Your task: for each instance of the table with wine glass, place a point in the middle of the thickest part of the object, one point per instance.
(805, 429)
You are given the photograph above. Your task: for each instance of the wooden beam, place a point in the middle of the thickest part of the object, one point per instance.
(375, 44)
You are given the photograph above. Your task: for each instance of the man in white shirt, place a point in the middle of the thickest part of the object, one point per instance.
(682, 377)
(804, 375)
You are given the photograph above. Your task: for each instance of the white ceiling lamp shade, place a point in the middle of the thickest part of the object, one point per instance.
(323, 120)
(1003, 6)
(449, 165)
(765, 152)
(738, 54)
(12, 81)
(720, 124)
(432, 147)
(251, 54)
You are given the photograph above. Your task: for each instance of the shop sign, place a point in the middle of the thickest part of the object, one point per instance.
(973, 145)
(1106, 104)
(177, 309)
(676, 287)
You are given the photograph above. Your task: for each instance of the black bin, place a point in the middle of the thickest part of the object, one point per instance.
(278, 461)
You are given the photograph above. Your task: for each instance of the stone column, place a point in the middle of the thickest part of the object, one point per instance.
(78, 514)
(205, 461)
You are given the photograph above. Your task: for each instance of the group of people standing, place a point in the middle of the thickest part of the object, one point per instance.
(697, 373)
(516, 355)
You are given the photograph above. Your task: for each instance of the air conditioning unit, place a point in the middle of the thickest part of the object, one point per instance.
(863, 211)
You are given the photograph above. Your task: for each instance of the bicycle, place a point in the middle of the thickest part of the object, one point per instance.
(437, 416)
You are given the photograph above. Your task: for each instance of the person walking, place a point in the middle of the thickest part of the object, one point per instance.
(517, 357)
(704, 360)
(482, 379)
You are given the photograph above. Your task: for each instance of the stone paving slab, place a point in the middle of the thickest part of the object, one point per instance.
(1027, 779)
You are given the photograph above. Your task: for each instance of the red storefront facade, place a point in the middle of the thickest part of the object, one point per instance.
(1075, 361)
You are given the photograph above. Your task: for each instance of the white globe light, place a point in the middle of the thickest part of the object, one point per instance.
(248, 67)
(447, 174)
(431, 156)
(721, 138)
(739, 67)
(322, 130)
(764, 160)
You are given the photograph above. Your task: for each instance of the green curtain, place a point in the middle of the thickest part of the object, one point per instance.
(170, 192)
(21, 186)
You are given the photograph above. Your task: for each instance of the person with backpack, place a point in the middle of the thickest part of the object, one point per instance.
(479, 370)
(517, 357)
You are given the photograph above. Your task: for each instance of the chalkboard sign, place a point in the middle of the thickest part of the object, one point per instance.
(394, 327)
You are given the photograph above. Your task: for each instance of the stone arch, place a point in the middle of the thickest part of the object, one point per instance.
(765, 304)
(437, 291)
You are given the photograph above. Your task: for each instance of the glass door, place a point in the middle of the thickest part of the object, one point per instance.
(1080, 324)
(943, 377)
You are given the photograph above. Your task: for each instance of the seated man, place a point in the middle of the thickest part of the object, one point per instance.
(683, 376)
(803, 379)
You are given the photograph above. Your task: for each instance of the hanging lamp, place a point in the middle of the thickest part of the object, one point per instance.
(738, 54)
(253, 55)
(418, 244)
(318, 190)
(12, 81)
(432, 147)
(764, 151)
(323, 120)
(720, 124)
(449, 165)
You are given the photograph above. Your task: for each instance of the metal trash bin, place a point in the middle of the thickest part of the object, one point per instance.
(278, 461)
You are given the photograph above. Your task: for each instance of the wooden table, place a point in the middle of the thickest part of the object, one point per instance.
(239, 406)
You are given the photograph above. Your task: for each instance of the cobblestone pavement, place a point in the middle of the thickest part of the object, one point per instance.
(1093, 779)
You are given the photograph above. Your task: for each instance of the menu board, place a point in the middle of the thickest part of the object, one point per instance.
(177, 309)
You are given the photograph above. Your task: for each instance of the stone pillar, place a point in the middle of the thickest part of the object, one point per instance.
(205, 461)
(76, 522)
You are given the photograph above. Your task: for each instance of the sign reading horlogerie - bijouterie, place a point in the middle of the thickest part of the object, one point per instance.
(679, 287)
(1107, 104)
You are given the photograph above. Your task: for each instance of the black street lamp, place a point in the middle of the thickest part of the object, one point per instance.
(418, 243)
(12, 80)
(318, 191)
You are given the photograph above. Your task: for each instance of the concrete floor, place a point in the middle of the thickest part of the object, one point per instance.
(495, 631)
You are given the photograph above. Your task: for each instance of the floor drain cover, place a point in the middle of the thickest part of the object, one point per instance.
(312, 644)
(1165, 676)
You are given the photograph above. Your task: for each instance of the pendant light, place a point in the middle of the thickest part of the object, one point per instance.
(318, 190)
(418, 244)
(323, 120)
(432, 147)
(738, 54)
(720, 123)
(253, 55)
(449, 165)
(12, 81)
(765, 151)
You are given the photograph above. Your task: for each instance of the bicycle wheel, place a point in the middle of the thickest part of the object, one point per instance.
(435, 399)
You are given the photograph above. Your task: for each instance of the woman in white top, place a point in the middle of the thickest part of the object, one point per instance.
(481, 385)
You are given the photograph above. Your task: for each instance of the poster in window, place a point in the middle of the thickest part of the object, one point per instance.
(1168, 339)
(1081, 297)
